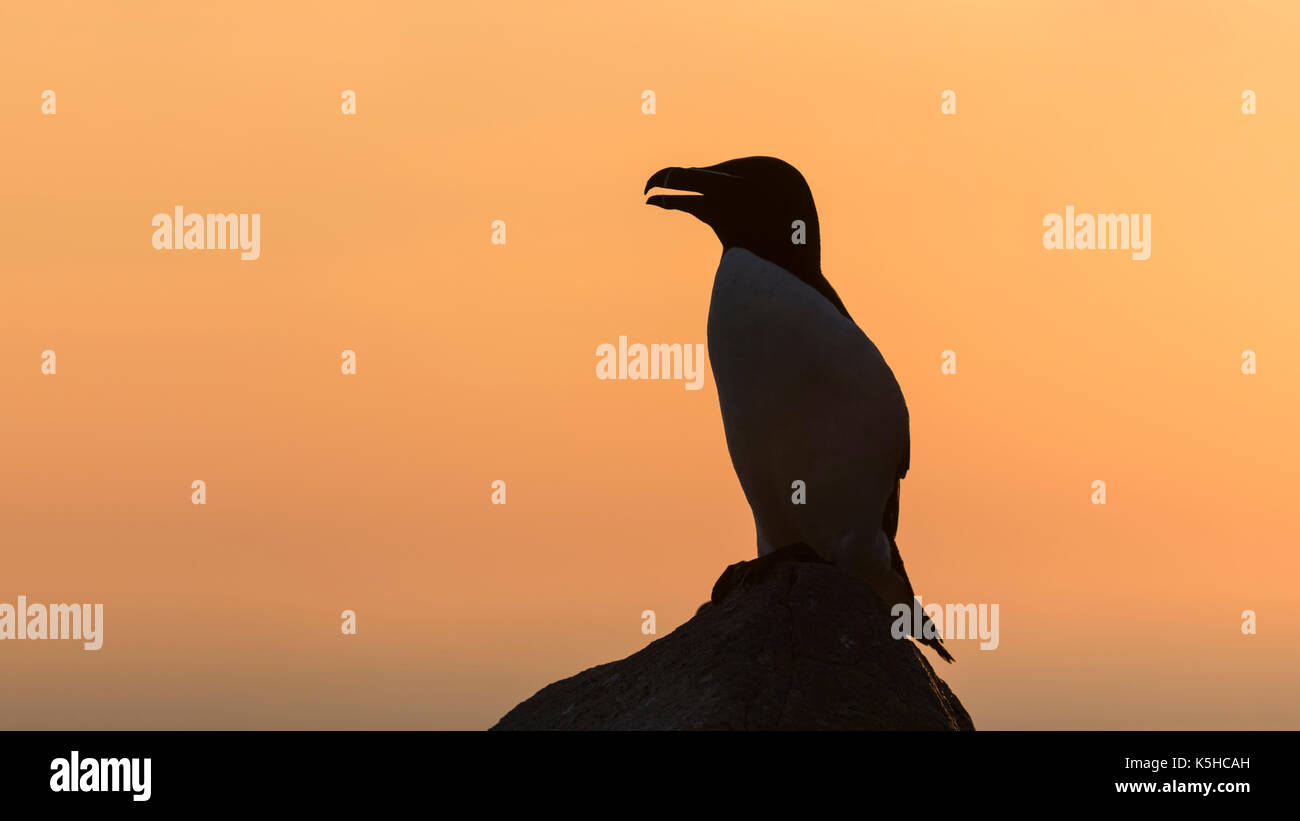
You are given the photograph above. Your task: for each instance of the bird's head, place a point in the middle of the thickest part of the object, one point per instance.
(761, 204)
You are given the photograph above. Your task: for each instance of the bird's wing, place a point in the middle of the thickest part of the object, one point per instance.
(890, 526)
(907, 438)
(889, 523)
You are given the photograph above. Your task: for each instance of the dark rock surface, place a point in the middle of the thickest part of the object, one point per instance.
(787, 642)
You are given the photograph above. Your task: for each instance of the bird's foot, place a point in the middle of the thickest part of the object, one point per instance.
(755, 570)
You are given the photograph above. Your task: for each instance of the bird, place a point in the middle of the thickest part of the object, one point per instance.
(815, 421)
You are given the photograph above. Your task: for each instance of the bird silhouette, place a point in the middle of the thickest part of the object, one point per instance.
(814, 418)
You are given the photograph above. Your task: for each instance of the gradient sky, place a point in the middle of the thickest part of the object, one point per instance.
(476, 362)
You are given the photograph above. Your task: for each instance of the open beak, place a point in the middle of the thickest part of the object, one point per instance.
(704, 182)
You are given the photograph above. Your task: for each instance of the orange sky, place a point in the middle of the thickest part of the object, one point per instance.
(476, 362)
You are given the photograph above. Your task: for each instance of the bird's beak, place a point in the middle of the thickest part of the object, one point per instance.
(704, 182)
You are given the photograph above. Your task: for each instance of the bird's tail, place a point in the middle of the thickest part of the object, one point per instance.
(936, 643)
(902, 589)
(889, 530)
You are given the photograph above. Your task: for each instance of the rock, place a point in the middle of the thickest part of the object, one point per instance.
(787, 642)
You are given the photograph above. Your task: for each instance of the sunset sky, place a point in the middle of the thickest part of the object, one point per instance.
(476, 362)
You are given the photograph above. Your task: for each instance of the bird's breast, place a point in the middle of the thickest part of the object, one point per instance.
(804, 394)
(778, 345)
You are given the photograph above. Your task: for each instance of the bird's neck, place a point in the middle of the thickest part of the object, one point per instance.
(809, 270)
(804, 264)
(823, 286)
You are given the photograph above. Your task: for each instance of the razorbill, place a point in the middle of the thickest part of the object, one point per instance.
(805, 395)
